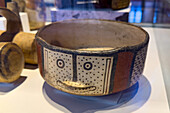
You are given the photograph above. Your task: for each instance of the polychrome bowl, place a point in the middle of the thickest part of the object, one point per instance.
(91, 57)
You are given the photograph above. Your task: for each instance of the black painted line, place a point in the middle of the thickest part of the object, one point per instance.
(104, 78)
(74, 68)
(115, 58)
(6, 64)
(3, 75)
(44, 60)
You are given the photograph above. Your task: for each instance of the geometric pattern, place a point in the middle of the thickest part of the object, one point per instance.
(58, 66)
(138, 65)
(97, 74)
(91, 71)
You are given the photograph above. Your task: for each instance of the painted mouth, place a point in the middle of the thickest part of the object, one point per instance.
(75, 86)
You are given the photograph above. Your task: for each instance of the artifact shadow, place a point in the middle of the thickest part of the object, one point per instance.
(125, 101)
(31, 66)
(7, 87)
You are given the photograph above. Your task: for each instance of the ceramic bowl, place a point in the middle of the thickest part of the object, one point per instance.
(91, 57)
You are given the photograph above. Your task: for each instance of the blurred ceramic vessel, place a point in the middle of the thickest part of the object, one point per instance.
(91, 57)
(26, 41)
(11, 62)
(36, 13)
(11, 56)
(21, 5)
(114, 4)
(119, 4)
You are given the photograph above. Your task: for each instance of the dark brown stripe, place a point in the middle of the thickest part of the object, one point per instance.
(113, 73)
(122, 72)
(39, 53)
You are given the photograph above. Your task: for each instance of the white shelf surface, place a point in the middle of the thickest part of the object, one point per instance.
(30, 96)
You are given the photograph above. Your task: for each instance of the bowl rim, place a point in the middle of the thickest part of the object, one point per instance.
(123, 48)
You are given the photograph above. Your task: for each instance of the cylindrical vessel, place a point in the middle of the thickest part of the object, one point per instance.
(91, 57)
(26, 41)
(119, 4)
(11, 62)
(36, 13)
(105, 3)
(13, 6)
(21, 5)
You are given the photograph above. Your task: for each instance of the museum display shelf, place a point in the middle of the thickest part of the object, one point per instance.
(31, 94)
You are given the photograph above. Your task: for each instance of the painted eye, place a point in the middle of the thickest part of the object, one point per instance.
(88, 66)
(60, 63)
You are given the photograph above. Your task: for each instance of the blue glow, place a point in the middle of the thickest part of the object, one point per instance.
(131, 16)
(155, 17)
(138, 16)
(135, 15)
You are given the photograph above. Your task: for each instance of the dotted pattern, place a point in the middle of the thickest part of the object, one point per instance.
(91, 72)
(95, 76)
(138, 65)
(54, 72)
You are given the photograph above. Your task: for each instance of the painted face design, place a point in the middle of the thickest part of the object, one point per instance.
(81, 74)
(87, 74)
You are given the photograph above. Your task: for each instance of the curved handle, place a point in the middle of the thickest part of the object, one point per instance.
(13, 25)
